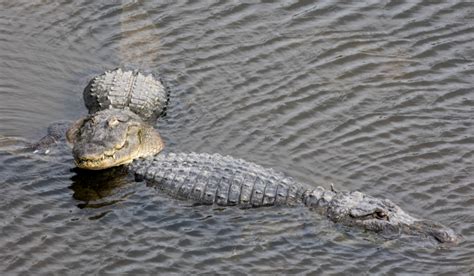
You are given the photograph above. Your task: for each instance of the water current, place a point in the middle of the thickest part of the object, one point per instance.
(376, 96)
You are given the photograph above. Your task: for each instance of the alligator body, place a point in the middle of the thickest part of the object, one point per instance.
(145, 95)
(215, 179)
(225, 181)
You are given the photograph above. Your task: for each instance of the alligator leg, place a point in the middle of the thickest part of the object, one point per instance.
(56, 134)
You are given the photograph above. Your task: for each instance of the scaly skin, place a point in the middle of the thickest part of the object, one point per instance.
(146, 96)
(225, 181)
(110, 138)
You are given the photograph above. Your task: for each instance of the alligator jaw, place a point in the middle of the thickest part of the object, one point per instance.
(437, 231)
(100, 163)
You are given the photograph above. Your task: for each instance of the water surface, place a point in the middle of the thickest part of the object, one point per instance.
(376, 96)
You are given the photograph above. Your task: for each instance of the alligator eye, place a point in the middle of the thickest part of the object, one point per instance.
(113, 122)
(380, 215)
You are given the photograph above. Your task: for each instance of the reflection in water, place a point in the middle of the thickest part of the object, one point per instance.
(99, 188)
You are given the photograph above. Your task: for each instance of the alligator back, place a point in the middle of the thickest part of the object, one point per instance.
(217, 179)
(144, 95)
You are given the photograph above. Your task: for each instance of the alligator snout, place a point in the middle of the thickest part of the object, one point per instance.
(437, 231)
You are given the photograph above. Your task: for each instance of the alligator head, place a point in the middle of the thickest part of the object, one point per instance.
(110, 138)
(374, 214)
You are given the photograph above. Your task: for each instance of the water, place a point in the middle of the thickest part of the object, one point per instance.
(375, 96)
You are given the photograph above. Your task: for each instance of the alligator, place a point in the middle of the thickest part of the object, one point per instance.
(112, 137)
(145, 96)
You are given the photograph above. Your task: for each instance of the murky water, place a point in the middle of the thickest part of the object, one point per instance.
(376, 96)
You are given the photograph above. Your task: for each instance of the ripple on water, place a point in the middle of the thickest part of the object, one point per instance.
(372, 96)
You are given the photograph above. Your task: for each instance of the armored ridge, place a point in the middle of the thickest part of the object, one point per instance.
(216, 179)
(223, 180)
(146, 96)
